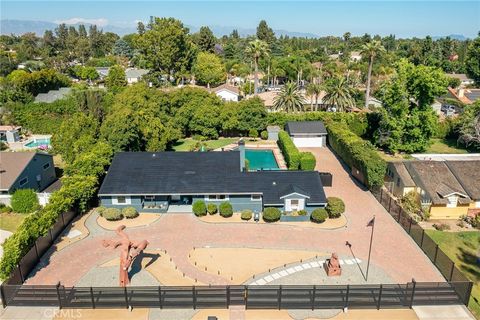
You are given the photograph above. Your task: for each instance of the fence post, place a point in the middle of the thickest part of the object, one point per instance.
(389, 204)
(423, 235)
(51, 236)
(58, 295)
(20, 272)
(92, 297)
(228, 297)
(436, 252)
(245, 297)
(451, 272)
(279, 297)
(413, 293)
(63, 219)
(399, 214)
(3, 297)
(379, 297)
(313, 296)
(194, 298)
(126, 296)
(410, 225)
(346, 298)
(468, 293)
(36, 250)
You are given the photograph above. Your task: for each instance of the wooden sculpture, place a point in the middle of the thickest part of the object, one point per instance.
(332, 266)
(129, 251)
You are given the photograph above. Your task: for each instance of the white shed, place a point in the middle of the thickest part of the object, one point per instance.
(307, 134)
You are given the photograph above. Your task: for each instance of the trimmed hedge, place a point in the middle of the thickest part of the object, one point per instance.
(225, 209)
(302, 212)
(212, 208)
(199, 208)
(264, 135)
(24, 201)
(307, 161)
(100, 211)
(271, 214)
(112, 214)
(335, 207)
(246, 214)
(319, 215)
(289, 150)
(130, 212)
(357, 153)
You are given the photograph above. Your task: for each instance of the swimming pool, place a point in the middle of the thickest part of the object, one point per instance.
(38, 142)
(261, 160)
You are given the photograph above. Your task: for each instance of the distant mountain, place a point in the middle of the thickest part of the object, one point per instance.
(459, 37)
(39, 27)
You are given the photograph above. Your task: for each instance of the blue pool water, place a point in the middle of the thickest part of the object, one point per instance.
(261, 160)
(38, 142)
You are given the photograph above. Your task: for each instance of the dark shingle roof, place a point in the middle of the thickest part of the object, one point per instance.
(145, 173)
(305, 127)
(468, 174)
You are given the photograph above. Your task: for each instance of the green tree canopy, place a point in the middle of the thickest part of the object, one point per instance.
(472, 61)
(116, 78)
(209, 69)
(205, 40)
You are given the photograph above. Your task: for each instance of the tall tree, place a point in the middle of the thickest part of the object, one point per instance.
(256, 49)
(209, 69)
(115, 79)
(314, 90)
(289, 99)
(122, 48)
(338, 93)
(473, 60)
(265, 33)
(370, 50)
(205, 40)
(470, 126)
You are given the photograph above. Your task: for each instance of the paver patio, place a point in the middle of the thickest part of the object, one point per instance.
(393, 250)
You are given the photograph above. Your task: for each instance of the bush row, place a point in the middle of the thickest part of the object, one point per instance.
(114, 214)
(357, 153)
(293, 157)
(200, 209)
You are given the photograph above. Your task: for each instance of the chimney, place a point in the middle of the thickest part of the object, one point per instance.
(461, 93)
(241, 148)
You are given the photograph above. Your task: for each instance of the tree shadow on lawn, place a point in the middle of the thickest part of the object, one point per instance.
(137, 263)
(469, 263)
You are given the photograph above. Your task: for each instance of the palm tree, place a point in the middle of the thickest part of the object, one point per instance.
(314, 90)
(370, 50)
(257, 49)
(338, 93)
(289, 99)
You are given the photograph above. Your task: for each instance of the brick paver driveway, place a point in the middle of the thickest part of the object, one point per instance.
(393, 249)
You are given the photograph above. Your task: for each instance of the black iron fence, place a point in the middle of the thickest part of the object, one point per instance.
(444, 264)
(377, 296)
(40, 247)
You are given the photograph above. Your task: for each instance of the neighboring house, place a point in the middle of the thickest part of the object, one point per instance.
(307, 133)
(227, 92)
(134, 75)
(172, 181)
(53, 95)
(10, 133)
(374, 102)
(466, 96)
(449, 188)
(25, 170)
(355, 56)
(464, 79)
(102, 72)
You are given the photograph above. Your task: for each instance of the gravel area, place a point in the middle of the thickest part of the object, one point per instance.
(108, 277)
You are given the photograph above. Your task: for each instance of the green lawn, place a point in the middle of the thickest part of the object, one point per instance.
(445, 146)
(462, 248)
(187, 144)
(10, 221)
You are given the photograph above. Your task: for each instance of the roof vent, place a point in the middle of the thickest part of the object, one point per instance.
(274, 183)
(154, 155)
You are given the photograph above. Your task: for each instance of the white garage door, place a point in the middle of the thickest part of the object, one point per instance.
(309, 142)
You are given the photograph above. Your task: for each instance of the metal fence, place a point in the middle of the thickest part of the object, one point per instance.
(377, 296)
(40, 247)
(444, 264)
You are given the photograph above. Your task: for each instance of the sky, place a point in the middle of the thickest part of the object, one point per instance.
(402, 18)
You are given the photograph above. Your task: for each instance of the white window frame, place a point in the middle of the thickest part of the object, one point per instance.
(127, 202)
(452, 201)
(22, 184)
(253, 197)
(217, 197)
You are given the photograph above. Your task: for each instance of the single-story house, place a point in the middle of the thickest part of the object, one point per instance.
(227, 92)
(53, 95)
(10, 133)
(25, 170)
(172, 181)
(449, 188)
(102, 72)
(465, 96)
(307, 133)
(134, 75)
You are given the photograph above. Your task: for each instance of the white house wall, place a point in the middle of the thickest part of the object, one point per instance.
(227, 95)
(309, 142)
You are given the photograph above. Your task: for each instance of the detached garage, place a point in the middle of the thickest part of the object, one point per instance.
(307, 134)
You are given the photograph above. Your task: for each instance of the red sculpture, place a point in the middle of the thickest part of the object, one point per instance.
(129, 251)
(332, 266)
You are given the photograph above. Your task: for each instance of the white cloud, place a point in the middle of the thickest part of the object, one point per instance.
(99, 22)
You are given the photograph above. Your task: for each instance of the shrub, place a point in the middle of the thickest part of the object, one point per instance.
(271, 214)
(101, 210)
(335, 207)
(25, 201)
(319, 215)
(212, 208)
(357, 153)
(441, 226)
(112, 214)
(5, 209)
(302, 212)
(225, 209)
(253, 133)
(130, 212)
(289, 150)
(307, 161)
(246, 214)
(199, 208)
(264, 135)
